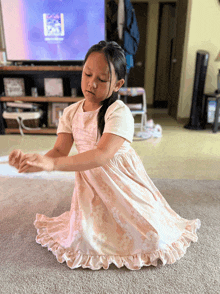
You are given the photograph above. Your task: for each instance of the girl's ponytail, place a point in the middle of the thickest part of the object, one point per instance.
(101, 115)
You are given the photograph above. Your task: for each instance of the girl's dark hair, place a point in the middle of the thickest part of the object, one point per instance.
(114, 54)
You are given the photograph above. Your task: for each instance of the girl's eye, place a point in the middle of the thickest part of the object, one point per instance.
(102, 81)
(99, 79)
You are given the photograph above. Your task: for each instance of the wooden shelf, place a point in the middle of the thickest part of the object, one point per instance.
(40, 72)
(40, 68)
(46, 131)
(40, 99)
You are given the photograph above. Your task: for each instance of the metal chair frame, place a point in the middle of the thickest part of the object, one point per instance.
(143, 112)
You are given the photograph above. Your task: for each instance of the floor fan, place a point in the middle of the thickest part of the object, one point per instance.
(196, 121)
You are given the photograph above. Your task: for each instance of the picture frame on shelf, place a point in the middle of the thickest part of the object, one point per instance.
(55, 111)
(14, 87)
(53, 87)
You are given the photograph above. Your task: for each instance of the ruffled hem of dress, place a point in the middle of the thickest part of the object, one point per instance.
(170, 255)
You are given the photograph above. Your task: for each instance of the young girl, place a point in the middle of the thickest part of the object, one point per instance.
(117, 215)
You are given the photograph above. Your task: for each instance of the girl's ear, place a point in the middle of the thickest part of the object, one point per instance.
(119, 84)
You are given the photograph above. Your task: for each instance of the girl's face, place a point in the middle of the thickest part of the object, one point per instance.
(96, 79)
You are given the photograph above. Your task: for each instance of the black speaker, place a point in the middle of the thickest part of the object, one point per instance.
(196, 121)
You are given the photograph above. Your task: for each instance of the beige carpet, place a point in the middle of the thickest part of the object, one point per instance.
(26, 267)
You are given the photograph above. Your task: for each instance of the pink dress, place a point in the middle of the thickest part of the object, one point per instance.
(117, 214)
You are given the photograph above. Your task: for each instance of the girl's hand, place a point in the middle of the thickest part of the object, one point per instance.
(36, 160)
(15, 158)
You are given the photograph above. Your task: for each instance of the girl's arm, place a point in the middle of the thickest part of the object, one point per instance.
(108, 145)
(16, 157)
(61, 148)
(80, 162)
(62, 145)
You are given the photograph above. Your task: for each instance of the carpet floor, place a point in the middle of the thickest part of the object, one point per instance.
(26, 267)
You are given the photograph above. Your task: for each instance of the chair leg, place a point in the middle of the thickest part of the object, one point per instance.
(141, 123)
(145, 119)
(19, 124)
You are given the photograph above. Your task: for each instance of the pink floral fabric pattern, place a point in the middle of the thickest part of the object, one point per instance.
(117, 215)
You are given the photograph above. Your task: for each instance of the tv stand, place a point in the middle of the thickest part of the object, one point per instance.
(34, 77)
(48, 63)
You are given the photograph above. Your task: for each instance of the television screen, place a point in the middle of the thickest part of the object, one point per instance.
(52, 30)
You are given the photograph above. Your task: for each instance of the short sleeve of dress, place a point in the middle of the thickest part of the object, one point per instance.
(119, 120)
(65, 121)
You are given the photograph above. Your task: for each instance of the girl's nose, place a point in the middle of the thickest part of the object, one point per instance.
(93, 84)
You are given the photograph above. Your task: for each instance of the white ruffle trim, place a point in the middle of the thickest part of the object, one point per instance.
(170, 255)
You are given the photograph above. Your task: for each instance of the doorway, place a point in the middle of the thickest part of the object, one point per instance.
(166, 34)
(177, 57)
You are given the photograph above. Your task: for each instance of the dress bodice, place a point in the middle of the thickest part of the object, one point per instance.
(85, 131)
